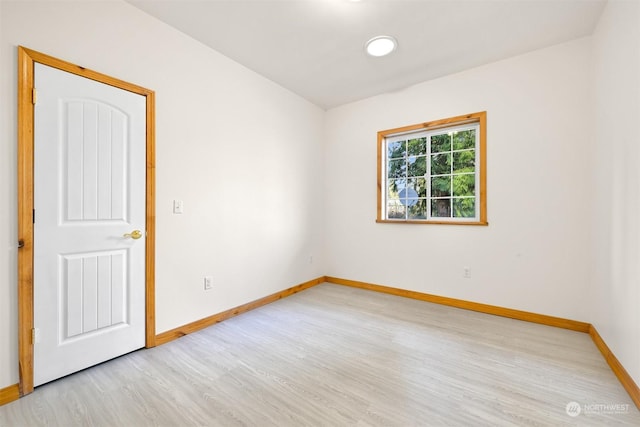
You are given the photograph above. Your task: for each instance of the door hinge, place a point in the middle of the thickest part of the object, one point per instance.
(34, 216)
(34, 96)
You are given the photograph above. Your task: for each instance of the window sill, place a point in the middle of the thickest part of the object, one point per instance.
(402, 221)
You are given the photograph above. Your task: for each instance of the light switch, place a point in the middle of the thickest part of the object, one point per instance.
(178, 206)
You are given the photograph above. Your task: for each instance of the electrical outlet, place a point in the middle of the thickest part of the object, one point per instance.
(466, 272)
(208, 282)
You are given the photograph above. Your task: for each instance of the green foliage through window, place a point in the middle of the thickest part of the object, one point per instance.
(433, 174)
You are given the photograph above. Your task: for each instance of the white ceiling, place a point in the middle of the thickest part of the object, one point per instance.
(315, 47)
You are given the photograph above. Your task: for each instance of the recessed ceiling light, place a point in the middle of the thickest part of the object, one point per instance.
(381, 45)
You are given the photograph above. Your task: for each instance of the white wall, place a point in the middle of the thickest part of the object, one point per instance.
(534, 255)
(8, 219)
(616, 284)
(244, 154)
(240, 151)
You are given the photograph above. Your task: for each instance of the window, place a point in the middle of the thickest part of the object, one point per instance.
(434, 172)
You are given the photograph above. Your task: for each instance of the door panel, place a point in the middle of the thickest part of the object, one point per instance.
(94, 292)
(89, 190)
(95, 156)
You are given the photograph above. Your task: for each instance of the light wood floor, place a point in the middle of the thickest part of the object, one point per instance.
(338, 356)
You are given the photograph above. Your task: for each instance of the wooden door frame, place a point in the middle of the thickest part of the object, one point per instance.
(26, 63)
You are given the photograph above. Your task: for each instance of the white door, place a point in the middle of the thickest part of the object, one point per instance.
(89, 191)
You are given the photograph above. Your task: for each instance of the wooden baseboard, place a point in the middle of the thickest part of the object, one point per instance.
(558, 322)
(9, 394)
(615, 365)
(181, 331)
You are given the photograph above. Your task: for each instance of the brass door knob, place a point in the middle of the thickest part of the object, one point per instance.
(135, 234)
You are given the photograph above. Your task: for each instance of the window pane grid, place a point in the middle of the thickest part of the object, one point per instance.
(432, 176)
